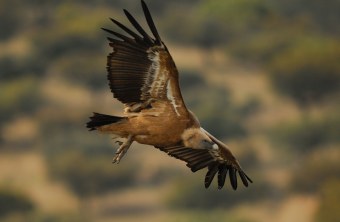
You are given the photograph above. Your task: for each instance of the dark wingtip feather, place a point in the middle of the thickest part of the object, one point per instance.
(200, 165)
(250, 180)
(222, 174)
(108, 31)
(151, 24)
(243, 178)
(111, 32)
(139, 28)
(126, 29)
(105, 29)
(233, 178)
(210, 175)
(118, 35)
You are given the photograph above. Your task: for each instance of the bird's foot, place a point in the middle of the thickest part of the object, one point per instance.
(123, 148)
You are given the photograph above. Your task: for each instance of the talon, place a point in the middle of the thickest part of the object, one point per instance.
(119, 142)
(115, 159)
(123, 148)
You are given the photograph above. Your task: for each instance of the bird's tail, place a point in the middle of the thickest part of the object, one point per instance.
(101, 119)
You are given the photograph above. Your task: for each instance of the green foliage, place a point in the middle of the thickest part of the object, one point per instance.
(237, 16)
(324, 17)
(316, 169)
(215, 23)
(309, 70)
(13, 68)
(71, 135)
(74, 49)
(17, 97)
(89, 175)
(81, 159)
(250, 107)
(91, 76)
(191, 194)
(219, 116)
(10, 21)
(38, 216)
(295, 40)
(261, 46)
(13, 201)
(307, 134)
(329, 207)
(208, 215)
(191, 80)
(64, 45)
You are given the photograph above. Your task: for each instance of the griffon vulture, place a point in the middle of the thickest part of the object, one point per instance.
(143, 76)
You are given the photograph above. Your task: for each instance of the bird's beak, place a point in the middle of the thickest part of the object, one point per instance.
(215, 146)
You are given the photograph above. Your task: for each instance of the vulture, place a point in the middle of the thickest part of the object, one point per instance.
(143, 76)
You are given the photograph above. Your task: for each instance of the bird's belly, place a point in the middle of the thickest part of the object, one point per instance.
(157, 140)
(160, 132)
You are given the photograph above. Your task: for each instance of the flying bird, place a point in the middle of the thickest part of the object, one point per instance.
(143, 76)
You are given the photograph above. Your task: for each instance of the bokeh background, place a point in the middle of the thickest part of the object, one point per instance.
(262, 75)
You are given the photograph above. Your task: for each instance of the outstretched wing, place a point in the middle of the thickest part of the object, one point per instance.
(230, 163)
(217, 161)
(140, 68)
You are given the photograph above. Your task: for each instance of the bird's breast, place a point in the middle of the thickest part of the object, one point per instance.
(159, 130)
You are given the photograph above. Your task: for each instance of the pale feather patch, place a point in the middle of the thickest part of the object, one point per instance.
(215, 147)
(215, 152)
(152, 72)
(170, 96)
(157, 78)
(216, 155)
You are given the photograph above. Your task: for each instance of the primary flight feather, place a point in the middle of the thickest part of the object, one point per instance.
(143, 76)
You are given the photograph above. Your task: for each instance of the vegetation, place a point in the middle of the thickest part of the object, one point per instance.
(284, 129)
(12, 201)
(295, 136)
(191, 194)
(308, 71)
(91, 177)
(329, 197)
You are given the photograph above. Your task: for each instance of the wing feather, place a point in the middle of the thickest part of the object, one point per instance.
(216, 163)
(222, 174)
(118, 35)
(140, 68)
(139, 28)
(210, 175)
(201, 164)
(192, 156)
(151, 23)
(243, 178)
(129, 31)
(233, 178)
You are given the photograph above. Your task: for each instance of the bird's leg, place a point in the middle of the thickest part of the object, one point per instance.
(123, 148)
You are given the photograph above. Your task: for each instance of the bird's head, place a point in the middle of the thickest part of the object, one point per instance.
(195, 138)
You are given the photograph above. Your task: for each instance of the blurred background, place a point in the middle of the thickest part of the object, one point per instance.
(261, 75)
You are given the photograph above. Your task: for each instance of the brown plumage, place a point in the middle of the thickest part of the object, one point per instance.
(143, 76)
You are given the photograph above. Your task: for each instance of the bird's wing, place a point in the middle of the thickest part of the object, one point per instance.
(230, 163)
(217, 161)
(140, 68)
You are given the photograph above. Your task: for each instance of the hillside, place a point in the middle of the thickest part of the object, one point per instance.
(265, 81)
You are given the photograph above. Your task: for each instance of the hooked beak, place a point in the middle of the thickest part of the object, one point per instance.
(215, 146)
